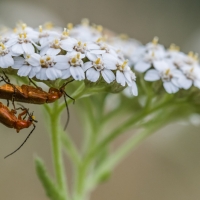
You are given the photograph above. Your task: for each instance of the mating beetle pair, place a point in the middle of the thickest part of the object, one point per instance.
(27, 94)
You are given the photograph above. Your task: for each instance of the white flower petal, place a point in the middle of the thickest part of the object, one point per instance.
(87, 65)
(62, 66)
(52, 51)
(11, 42)
(185, 83)
(98, 51)
(18, 62)
(60, 59)
(8, 60)
(127, 75)
(134, 89)
(77, 73)
(2, 63)
(41, 75)
(152, 75)
(68, 44)
(53, 73)
(34, 59)
(162, 65)
(28, 48)
(34, 71)
(17, 48)
(142, 66)
(108, 75)
(92, 75)
(66, 74)
(24, 70)
(92, 46)
(170, 87)
(91, 56)
(109, 61)
(197, 83)
(44, 50)
(120, 78)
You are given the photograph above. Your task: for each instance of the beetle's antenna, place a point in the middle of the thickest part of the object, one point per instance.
(67, 108)
(23, 142)
(31, 81)
(62, 90)
(66, 83)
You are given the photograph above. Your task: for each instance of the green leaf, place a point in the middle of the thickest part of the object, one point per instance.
(104, 176)
(50, 187)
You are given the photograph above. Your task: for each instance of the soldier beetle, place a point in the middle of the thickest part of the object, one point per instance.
(33, 95)
(9, 119)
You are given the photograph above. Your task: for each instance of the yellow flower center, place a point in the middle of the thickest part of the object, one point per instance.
(48, 25)
(56, 41)
(193, 55)
(78, 55)
(192, 69)
(85, 22)
(22, 35)
(73, 60)
(65, 32)
(24, 26)
(15, 30)
(155, 40)
(2, 46)
(123, 36)
(79, 43)
(98, 61)
(174, 47)
(70, 26)
(28, 56)
(40, 29)
(48, 58)
(124, 64)
(99, 28)
(42, 61)
(167, 72)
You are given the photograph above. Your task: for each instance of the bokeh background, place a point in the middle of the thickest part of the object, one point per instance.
(167, 165)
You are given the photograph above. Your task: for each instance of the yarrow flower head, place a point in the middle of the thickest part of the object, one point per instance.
(176, 69)
(48, 54)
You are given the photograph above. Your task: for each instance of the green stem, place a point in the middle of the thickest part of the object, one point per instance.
(119, 155)
(127, 124)
(57, 149)
(90, 141)
(122, 128)
(71, 149)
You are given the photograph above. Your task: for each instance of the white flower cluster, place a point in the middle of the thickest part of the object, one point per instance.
(176, 69)
(79, 52)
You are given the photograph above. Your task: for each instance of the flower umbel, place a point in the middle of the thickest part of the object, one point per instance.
(91, 64)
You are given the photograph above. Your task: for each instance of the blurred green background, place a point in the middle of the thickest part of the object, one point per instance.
(167, 165)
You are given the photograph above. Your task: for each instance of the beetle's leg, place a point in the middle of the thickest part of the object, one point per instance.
(7, 103)
(22, 114)
(6, 77)
(13, 99)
